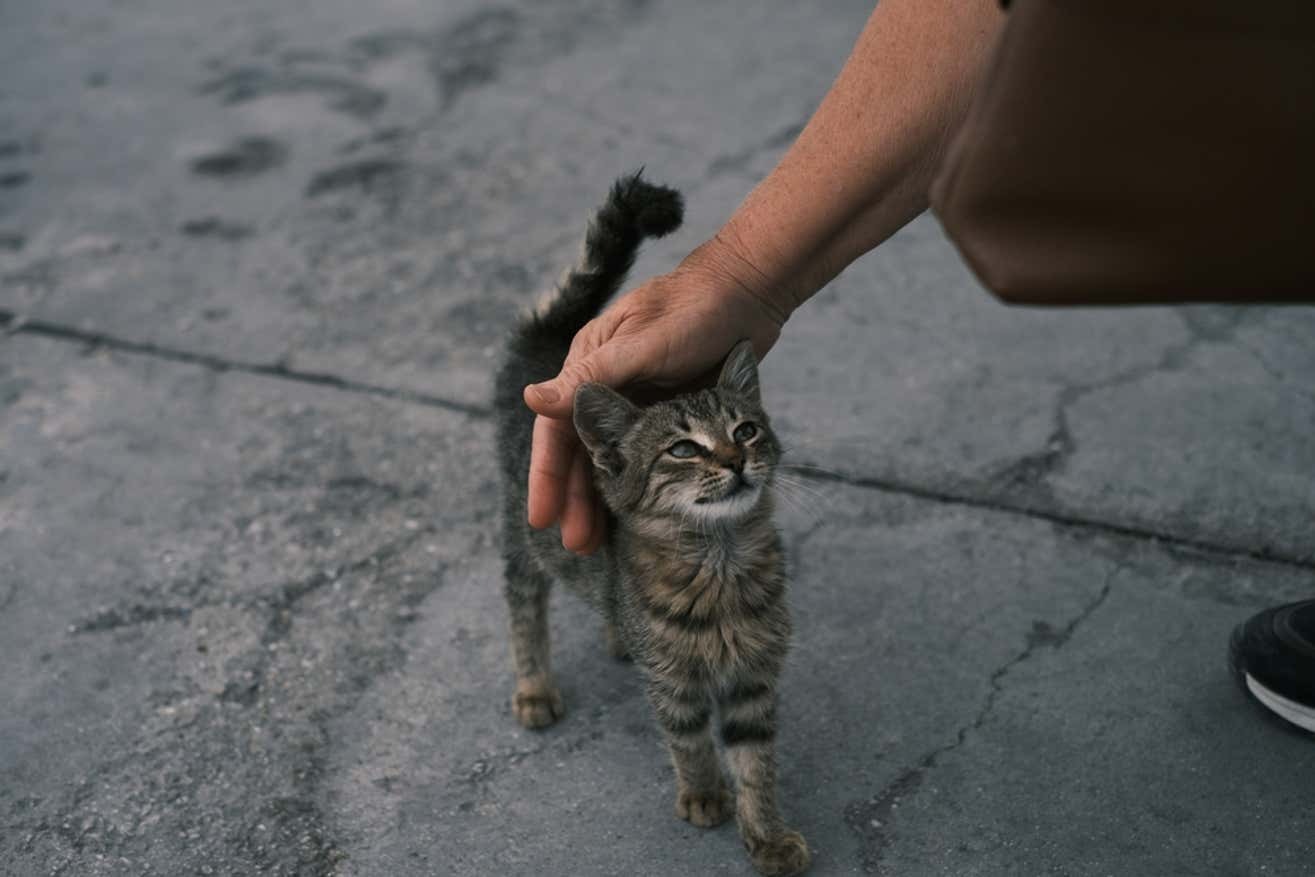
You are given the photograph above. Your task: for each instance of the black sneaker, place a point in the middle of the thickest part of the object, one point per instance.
(1273, 657)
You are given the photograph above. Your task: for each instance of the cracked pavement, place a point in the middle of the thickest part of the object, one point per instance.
(255, 262)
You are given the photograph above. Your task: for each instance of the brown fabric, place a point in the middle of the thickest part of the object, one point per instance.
(1126, 151)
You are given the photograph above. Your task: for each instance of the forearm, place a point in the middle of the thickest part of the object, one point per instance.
(862, 166)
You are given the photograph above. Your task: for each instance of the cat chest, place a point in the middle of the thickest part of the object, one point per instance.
(702, 621)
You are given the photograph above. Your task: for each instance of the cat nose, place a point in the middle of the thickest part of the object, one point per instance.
(735, 464)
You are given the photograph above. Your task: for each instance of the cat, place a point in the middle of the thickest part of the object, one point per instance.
(691, 577)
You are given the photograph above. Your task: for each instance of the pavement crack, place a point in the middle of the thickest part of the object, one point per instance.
(1031, 471)
(283, 825)
(1051, 513)
(129, 616)
(1278, 375)
(9, 596)
(491, 763)
(284, 601)
(385, 489)
(870, 819)
(19, 324)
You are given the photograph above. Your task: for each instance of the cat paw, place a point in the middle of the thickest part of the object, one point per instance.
(786, 853)
(536, 703)
(704, 809)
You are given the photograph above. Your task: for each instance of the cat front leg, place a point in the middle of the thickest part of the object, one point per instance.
(684, 713)
(748, 731)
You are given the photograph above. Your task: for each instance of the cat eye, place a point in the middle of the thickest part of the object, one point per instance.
(684, 450)
(744, 432)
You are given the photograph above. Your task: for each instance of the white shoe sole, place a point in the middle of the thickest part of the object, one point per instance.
(1298, 714)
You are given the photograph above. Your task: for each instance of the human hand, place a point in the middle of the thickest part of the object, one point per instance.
(666, 334)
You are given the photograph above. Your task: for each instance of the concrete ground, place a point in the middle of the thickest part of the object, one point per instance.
(255, 261)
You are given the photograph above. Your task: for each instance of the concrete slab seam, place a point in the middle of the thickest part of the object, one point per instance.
(13, 323)
(1063, 518)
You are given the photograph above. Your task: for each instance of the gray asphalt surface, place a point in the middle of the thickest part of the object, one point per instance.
(255, 261)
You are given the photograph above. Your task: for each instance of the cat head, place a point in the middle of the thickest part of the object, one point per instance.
(704, 456)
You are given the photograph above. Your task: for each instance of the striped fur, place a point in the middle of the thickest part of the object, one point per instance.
(691, 580)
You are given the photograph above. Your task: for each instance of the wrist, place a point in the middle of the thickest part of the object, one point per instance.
(725, 263)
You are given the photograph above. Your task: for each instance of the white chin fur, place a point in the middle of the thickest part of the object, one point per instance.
(732, 507)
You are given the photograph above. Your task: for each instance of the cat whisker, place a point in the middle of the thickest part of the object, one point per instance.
(805, 468)
(801, 486)
(791, 443)
(796, 505)
(809, 505)
(794, 493)
(810, 497)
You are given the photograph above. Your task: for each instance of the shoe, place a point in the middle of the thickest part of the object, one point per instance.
(1272, 654)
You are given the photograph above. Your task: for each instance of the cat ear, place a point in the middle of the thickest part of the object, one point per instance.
(602, 417)
(740, 373)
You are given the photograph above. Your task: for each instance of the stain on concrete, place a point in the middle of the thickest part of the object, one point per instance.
(382, 45)
(11, 242)
(129, 616)
(11, 390)
(242, 692)
(14, 179)
(475, 49)
(250, 83)
(366, 174)
(470, 53)
(462, 56)
(244, 158)
(382, 137)
(214, 227)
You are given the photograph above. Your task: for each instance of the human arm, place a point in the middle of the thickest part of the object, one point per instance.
(858, 171)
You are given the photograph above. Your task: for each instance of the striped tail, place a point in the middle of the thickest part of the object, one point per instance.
(634, 210)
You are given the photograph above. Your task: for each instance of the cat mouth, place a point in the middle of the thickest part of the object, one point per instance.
(737, 489)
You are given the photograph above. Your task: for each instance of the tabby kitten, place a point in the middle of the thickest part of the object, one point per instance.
(691, 580)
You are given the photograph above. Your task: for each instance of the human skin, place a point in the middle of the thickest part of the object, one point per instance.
(857, 173)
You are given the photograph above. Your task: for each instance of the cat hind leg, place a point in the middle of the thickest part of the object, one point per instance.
(536, 702)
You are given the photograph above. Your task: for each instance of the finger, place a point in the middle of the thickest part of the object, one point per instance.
(612, 364)
(551, 451)
(578, 513)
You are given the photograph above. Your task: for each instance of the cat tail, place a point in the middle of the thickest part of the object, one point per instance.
(634, 210)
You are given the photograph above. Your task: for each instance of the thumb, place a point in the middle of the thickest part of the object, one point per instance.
(611, 364)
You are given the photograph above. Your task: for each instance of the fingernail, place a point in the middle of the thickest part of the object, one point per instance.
(546, 394)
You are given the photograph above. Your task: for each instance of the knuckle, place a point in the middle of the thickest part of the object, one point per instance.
(583, 371)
